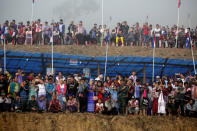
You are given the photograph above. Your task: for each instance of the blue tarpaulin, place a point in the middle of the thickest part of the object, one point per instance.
(71, 64)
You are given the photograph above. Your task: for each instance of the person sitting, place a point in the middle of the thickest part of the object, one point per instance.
(99, 106)
(9, 101)
(33, 105)
(190, 108)
(109, 107)
(55, 105)
(16, 106)
(72, 104)
(3, 100)
(133, 106)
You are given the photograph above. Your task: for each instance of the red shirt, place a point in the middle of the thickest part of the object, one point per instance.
(145, 31)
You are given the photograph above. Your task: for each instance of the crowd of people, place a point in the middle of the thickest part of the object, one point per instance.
(119, 95)
(37, 33)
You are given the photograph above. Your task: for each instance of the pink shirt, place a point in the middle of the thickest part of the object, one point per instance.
(80, 30)
(59, 90)
(72, 102)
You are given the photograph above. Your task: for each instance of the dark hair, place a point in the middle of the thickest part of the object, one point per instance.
(33, 96)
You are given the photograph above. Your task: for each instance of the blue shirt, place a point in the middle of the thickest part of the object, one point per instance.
(50, 88)
(137, 91)
(114, 95)
(24, 92)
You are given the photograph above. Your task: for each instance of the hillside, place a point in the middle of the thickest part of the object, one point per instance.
(113, 51)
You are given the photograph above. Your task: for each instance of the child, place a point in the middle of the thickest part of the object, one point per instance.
(55, 105)
(72, 104)
(33, 105)
(133, 106)
(99, 106)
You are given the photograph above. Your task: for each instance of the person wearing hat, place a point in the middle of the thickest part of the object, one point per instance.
(122, 97)
(109, 106)
(133, 106)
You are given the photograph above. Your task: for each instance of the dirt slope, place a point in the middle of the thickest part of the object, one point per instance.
(92, 122)
(113, 51)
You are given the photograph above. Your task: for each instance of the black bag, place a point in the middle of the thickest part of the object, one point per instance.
(145, 102)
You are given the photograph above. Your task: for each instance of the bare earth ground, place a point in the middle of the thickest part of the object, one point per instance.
(92, 122)
(113, 51)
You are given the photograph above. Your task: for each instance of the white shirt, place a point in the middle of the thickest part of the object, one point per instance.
(62, 86)
(42, 90)
(100, 105)
(157, 32)
(38, 28)
(7, 101)
(134, 78)
(60, 27)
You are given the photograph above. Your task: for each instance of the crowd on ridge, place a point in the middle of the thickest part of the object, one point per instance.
(37, 33)
(119, 95)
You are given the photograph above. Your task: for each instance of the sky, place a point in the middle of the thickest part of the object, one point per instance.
(163, 12)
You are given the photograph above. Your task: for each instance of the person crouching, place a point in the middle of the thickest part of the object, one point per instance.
(55, 105)
(133, 106)
(33, 105)
(72, 104)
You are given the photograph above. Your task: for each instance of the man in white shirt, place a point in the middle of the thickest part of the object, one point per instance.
(61, 30)
(133, 77)
(157, 32)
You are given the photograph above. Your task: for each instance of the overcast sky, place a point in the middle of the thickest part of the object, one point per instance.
(163, 12)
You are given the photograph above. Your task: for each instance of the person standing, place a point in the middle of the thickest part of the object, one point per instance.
(46, 34)
(91, 95)
(41, 94)
(61, 92)
(157, 32)
(38, 33)
(28, 36)
(122, 97)
(62, 31)
(80, 33)
(24, 91)
(50, 89)
(82, 95)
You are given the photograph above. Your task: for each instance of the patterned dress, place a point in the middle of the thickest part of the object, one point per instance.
(91, 102)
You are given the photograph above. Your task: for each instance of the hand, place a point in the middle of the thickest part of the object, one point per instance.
(12, 109)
